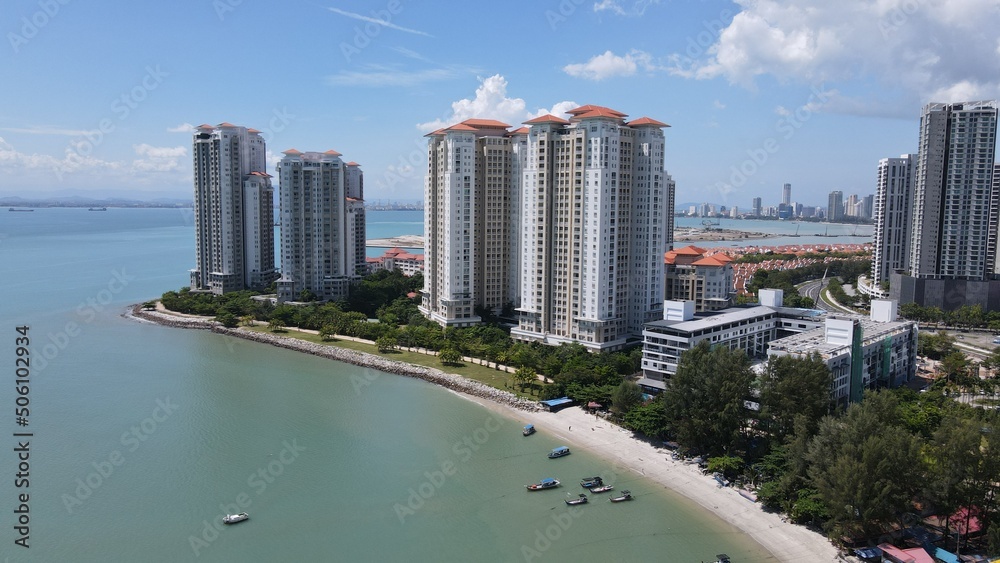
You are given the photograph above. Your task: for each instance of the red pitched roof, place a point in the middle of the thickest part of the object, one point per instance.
(205, 126)
(519, 131)
(292, 152)
(252, 131)
(225, 124)
(486, 123)
(548, 118)
(332, 152)
(460, 127)
(646, 121)
(433, 133)
(591, 107)
(352, 163)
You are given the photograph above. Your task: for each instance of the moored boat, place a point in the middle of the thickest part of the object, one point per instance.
(559, 452)
(601, 489)
(626, 495)
(234, 518)
(547, 483)
(589, 482)
(529, 429)
(581, 499)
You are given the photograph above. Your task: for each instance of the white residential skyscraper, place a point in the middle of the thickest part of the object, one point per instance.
(594, 228)
(321, 225)
(892, 202)
(233, 210)
(568, 221)
(471, 207)
(786, 194)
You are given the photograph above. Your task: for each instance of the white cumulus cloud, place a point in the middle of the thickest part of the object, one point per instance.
(492, 102)
(925, 50)
(617, 7)
(608, 65)
(158, 159)
(182, 128)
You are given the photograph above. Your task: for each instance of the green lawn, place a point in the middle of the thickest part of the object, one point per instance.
(476, 372)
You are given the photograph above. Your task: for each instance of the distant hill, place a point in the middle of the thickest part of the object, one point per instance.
(80, 201)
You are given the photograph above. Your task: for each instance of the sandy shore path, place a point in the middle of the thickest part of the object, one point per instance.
(626, 454)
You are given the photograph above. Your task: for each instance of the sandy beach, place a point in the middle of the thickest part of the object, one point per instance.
(628, 456)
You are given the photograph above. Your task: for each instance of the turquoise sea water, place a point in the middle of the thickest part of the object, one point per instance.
(144, 435)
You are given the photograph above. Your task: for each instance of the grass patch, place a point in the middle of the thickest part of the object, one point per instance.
(492, 377)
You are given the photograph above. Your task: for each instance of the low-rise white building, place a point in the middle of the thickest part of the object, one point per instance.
(862, 353)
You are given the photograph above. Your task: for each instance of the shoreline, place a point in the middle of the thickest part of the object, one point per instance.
(785, 541)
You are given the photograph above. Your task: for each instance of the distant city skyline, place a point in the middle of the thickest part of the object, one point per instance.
(753, 97)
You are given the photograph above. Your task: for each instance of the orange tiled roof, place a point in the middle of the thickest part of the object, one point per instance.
(205, 126)
(433, 133)
(486, 123)
(709, 261)
(225, 124)
(352, 163)
(292, 152)
(600, 112)
(252, 131)
(592, 107)
(519, 131)
(548, 118)
(460, 127)
(332, 152)
(646, 121)
(690, 250)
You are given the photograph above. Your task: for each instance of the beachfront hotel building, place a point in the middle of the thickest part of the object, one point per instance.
(322, 225)
(707, 281)
(565, 220)
(955, 212)
(233, 210)
(862, 353)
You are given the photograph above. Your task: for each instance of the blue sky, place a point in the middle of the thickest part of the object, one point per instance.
(98, 98)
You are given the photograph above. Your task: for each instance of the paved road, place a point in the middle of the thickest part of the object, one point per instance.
(812, 289)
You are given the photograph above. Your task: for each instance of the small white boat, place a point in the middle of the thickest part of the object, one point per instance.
(234, 518)
(559, 452)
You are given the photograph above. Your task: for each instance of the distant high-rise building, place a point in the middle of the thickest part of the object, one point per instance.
(786, 194)
(705, 210)
(892, 202)
(835, 207)
(321, 225)
(233, 210)
(757, 210)
(869, 206)
(953, 236)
